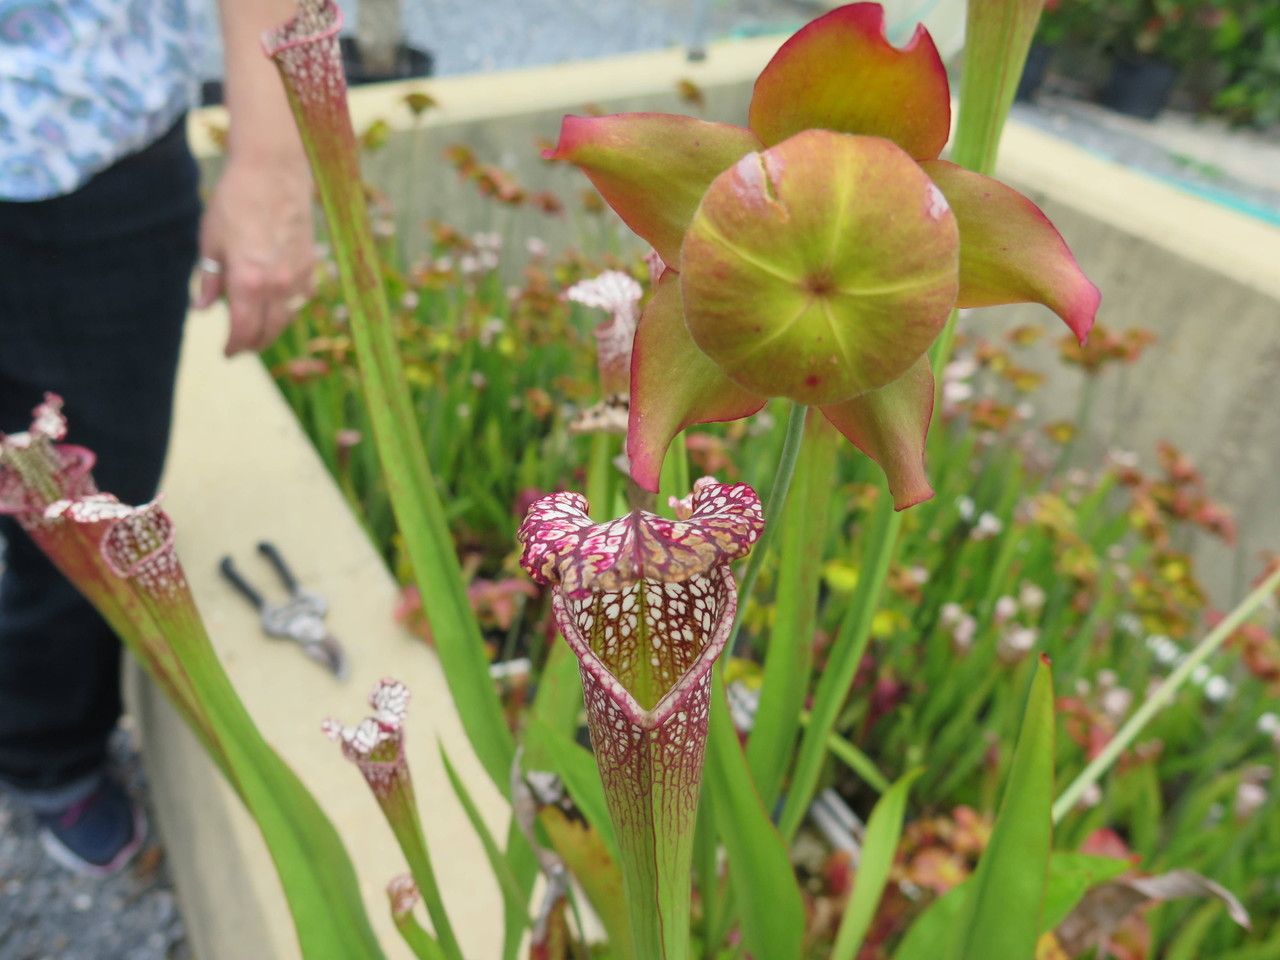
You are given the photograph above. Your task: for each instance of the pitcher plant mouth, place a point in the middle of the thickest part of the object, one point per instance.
(315, 22)
(122, 559)
(38, 469)
(572, 613)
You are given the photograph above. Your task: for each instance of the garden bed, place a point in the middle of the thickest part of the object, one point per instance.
(1163, 260)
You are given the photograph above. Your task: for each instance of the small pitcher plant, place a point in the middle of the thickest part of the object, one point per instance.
(816, 257)
(647, 604)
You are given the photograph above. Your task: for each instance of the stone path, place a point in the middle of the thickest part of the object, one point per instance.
(47, 913)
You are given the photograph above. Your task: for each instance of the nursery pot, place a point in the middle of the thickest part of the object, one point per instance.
(410, 62)
(1139, 86)
(1034, 70)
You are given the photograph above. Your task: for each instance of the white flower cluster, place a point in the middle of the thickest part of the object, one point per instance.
(1217, 689)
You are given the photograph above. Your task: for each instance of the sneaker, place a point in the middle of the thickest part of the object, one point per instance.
(98, 835)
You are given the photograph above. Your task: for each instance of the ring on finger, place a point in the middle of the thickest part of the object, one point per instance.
(210, 265)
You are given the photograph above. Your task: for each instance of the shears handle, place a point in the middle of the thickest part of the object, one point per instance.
(268, 550)
(232, 576)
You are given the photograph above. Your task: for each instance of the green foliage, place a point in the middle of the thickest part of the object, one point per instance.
(1228, 50)
(1005, 902)
(884, 829)
(1094, 562)
(771, 911)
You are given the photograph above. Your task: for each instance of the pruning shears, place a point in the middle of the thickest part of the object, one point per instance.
(300, 618)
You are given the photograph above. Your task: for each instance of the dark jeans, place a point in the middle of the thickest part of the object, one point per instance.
(93, 292)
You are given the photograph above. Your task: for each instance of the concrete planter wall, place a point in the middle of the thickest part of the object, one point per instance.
(1206, 279)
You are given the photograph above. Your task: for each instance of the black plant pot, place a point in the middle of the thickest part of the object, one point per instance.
(1034, 70)
(410, 62)
(1139, 87)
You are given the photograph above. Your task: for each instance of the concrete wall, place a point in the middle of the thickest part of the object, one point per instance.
(1207, 281)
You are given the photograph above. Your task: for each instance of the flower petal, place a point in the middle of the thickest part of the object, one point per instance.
(841, 73)
(889, 425)
(620, 294)
(673, 385)
(652, 168)
(1010, 252)
(819, 269)
(562, 546)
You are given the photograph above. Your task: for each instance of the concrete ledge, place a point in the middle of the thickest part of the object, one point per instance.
(241, 470)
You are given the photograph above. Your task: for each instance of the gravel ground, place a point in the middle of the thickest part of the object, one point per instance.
(47, 913)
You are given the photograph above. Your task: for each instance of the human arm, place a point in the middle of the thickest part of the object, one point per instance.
(257, 224)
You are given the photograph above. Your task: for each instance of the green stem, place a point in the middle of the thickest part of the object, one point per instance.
(673, 480)
(402, 814)
(788, 661)
(729, 781)
(772, 513)
(600, 471)
(842, 664)
(1161, 697)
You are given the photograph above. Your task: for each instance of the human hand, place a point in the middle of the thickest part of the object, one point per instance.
(257, 228)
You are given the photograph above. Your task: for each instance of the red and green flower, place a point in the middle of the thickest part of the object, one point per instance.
(817, 252)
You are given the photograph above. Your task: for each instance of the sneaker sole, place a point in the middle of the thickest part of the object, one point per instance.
(68, 859)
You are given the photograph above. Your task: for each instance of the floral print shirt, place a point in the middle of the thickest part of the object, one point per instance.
(86, 82)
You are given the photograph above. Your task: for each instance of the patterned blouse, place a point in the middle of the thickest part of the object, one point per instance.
(86, 82)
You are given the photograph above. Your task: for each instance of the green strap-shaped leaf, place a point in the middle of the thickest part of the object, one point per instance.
(788, 661)
(558, 703)
(884, 830)
(513, 896)
(577, 769)
(764, 886)
(1006, 900)
(1071, 876)
(842, 663)
(997, 36)
(305, 51)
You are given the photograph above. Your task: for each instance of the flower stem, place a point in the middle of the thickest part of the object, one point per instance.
(842, 663)
(788, 660)
(1161, 696)
(402, 815)
(772, 512)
